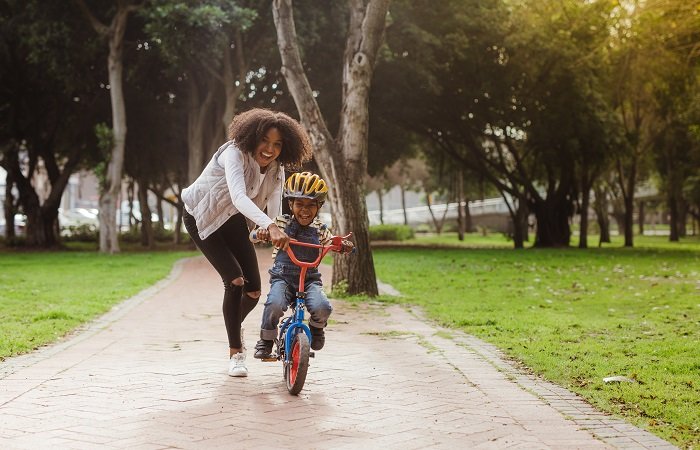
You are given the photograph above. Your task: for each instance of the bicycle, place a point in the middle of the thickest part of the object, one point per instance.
(294, 334)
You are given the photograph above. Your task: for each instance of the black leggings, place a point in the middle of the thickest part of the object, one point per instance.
(232, 255)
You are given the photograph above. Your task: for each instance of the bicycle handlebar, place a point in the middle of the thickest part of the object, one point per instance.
(336, 246)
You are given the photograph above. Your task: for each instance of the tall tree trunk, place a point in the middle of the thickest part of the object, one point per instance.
(232, 90)
(600, 206)
(437, 223)
(177, 235)
(199, 126)
(147, 237)
(628, 183)
(640, 217)
(682, 217)
(9, 208)
(343, 159)
(520, 225)
(553, 228)
(673, 213)
(42, 228)
(461, 225)
(468, 222)
(403, 204)
(112, 184)
(583, 231)
(161, 218)
(381, 206)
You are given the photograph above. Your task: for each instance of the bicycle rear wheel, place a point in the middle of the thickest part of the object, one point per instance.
(295, 371)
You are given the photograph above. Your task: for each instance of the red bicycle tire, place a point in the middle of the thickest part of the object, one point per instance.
(295, 373)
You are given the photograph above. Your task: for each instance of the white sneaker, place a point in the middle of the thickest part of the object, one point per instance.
(236, 365)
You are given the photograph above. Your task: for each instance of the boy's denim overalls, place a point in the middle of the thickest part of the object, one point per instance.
(284, 280)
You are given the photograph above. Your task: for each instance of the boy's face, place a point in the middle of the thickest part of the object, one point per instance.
(304, 210)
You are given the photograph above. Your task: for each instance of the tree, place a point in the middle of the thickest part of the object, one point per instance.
(51, 103)
(109, 195)
(408, 174)
(503, 91)
(218, 48)
(342, 159)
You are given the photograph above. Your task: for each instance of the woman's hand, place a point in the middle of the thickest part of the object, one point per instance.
(278, 237)
(261, 234)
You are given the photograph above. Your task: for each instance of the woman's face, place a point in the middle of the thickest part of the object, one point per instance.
(269, 148)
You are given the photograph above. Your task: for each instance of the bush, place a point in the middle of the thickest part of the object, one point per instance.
(423, 228)
(390, 233)
(80, 233)
(133, 236)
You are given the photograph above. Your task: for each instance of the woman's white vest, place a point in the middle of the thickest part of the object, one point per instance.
(208, 198)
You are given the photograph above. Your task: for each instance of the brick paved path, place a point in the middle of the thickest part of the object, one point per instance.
(151, 374)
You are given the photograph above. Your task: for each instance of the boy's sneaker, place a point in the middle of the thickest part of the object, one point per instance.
(263, 349)
(236, 365)
(318, 338)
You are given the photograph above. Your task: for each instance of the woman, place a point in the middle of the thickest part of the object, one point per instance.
(243, 178)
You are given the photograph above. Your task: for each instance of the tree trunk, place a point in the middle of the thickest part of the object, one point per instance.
(601, 211)
(437, 223)
(461, 226)
(231, 90)
(628, 222)
(468, 222)
(147, 237)
(553, 228)
(381, 206)
(627, 186)
(110, 191)
(403, 205)
(583, 232)
(640, 217)
(673, 213)
(161, 218)
(177, 235)
(133, 223)
(520, 225)
(42, 229)
(199, 127)
(9, 208)
(342, 160)
(682, 217)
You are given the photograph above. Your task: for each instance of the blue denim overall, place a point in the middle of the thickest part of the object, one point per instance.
(284, 280)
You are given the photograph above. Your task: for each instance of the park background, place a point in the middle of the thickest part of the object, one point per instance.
(576, 123)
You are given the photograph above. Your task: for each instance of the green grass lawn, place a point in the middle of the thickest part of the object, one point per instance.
(577, 316)
(44, 295)
(498, 240)
(573, 316)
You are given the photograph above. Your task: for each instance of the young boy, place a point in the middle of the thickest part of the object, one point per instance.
(305, 193)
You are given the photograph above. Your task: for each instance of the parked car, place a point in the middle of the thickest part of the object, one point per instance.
(71, 219)
(20, 224)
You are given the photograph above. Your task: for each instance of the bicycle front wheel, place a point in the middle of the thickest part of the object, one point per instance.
(295, 371)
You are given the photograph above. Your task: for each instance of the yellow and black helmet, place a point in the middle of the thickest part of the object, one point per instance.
(306, 185)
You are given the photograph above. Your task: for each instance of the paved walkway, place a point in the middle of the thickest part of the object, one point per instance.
(151, 374)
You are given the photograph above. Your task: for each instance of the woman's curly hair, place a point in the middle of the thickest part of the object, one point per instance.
(250, 127)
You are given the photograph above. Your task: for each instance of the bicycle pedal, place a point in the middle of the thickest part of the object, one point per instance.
(312, 354)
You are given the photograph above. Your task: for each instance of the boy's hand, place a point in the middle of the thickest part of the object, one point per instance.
(347, 246)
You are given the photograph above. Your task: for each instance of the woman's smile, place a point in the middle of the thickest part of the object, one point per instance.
(269, 148)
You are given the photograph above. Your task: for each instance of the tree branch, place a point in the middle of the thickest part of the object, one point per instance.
(100, 27)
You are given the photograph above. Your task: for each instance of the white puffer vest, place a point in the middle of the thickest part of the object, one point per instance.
(208, 198)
